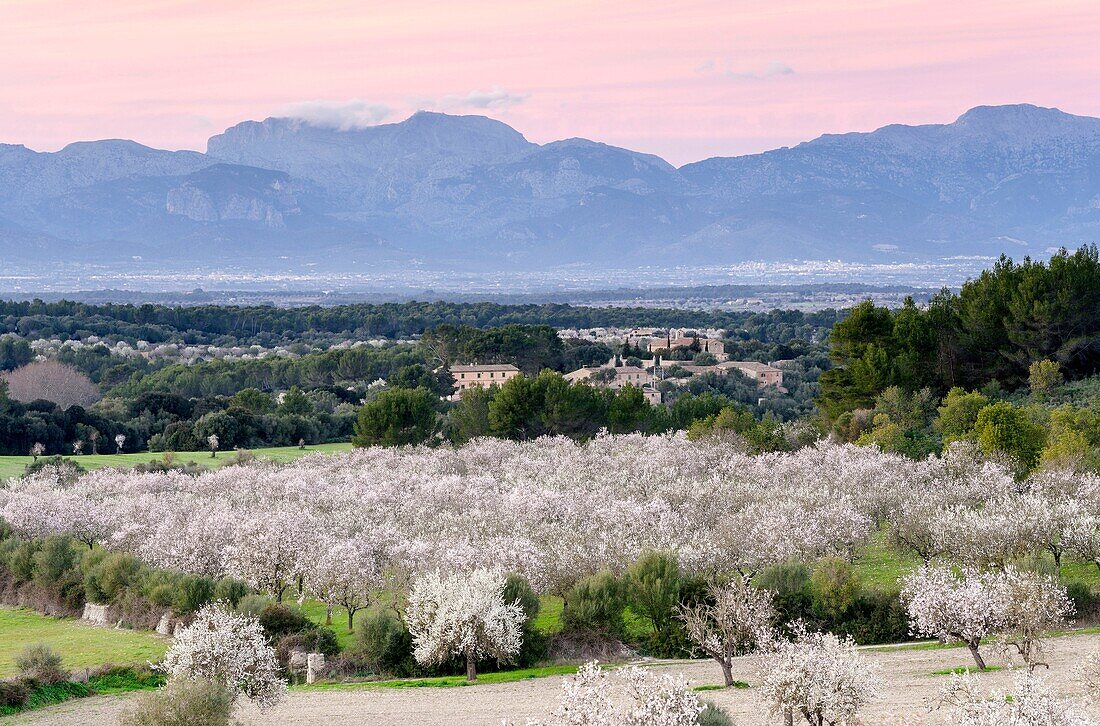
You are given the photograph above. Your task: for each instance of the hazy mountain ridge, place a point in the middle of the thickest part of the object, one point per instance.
(473, 192)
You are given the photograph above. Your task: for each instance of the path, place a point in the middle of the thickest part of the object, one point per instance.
(908, 697)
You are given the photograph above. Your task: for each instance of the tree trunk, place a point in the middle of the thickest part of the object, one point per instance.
(471, 668)
(977, 656)
(328, 614)
(727, 672)
(788, 717)
(351, 620)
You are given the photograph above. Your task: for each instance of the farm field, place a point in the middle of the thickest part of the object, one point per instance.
(909, 694)
(12, 466)
(80, 645)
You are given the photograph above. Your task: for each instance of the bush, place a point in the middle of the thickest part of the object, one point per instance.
(385, 644)
(192, 593)
(108, 575)
(876, 617)
(56, 557)
(317, 640)
(280, 620)
(253, 605)
(230, 591)
(595, 604)
(652, 589)
(184, 702)
(792, 591)
(66, 470)
(535, 645)
(41, 663)
(835, 589)
(13, 694)
(1086, 603)
(714, 716)
(21, 560)
(516, 588)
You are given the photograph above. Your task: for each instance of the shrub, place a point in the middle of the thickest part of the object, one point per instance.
(652, 589)
(317, 640)
(792, 591)
(160, 587)
(595, 604)
(107, 576)
(1086, 603)
(192, 593)
(54, 559)
(876, 617)
(835, 589)
(253, 605)
(385, 644)
(21, 560)
(230, 591)
(65, 470)
(279, 620)
(714, 716)
(41, 663)
(516, 588)
(239, 457)
(535, 645)
(14, 694)
(184, 702)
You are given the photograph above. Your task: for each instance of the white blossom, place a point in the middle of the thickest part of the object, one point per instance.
(463, 615)
(223, 646)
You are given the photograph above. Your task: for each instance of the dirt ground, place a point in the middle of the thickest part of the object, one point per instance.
(909, 695)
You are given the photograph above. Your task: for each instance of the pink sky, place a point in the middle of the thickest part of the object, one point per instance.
(685, 80)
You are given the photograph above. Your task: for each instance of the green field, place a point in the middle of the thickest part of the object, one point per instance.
(11, 466)
(81, 645)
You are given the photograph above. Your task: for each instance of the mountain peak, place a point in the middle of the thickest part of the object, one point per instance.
(1016, 122)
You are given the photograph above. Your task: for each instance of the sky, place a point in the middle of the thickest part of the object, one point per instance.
(686, 80)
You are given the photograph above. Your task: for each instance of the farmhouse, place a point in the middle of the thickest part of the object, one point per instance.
(762, 373)
(481, 375)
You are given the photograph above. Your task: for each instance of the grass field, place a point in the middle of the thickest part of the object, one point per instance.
(11, 466)
(80, 645)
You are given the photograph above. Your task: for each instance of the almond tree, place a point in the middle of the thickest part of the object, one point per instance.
(120, 441)
(818, 675)
(1035, 605)
(630, 696)
(1031, 703)
(223, 646)
(345, 573)
(463, 615)
(734, 620)
(949, 607)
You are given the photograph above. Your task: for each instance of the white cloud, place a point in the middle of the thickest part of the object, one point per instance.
(495, 97)
(772, 70)
(340, 115)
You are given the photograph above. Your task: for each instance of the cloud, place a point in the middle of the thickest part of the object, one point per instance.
(495, 97)
(772, 70)
(340, 115)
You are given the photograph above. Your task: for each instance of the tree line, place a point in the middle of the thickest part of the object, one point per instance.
(993, 330)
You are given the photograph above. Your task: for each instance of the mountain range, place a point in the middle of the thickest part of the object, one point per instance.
(472, 193)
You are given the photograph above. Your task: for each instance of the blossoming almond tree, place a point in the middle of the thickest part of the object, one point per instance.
(947, 606)
(630, 696)
(463, 615)
(817, 675)
(737, 622)
(223, 646)
(345, 573)
(1035, 605)
(1031, 703)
